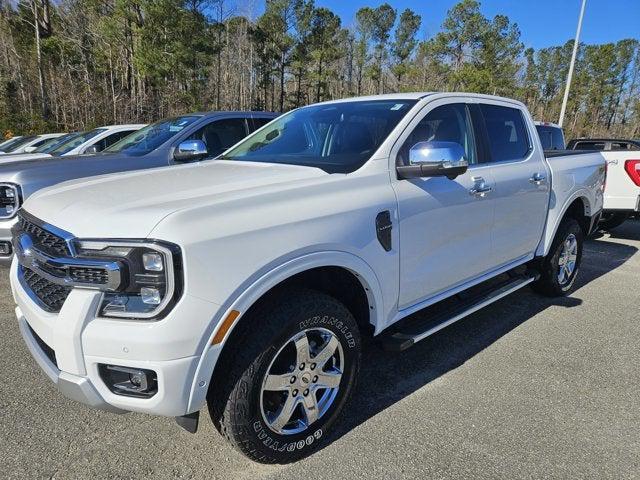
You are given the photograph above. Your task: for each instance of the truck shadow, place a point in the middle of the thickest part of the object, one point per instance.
(629, 230)
(387, 378)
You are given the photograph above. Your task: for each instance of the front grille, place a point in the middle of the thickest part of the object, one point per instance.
(48, 351)
(90, 275)
(44, 240)
(51, 295)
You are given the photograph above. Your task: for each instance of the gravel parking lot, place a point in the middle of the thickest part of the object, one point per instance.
(526, 388)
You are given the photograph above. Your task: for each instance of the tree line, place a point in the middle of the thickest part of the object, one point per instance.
(75, 64)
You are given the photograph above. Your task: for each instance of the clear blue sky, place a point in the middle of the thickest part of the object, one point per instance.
(542, 22)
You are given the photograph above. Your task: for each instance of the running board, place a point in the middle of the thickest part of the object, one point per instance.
(406, 334)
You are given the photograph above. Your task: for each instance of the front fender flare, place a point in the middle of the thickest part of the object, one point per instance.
(262, 285)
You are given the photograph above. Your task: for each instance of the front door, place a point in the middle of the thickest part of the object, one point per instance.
(445, 228)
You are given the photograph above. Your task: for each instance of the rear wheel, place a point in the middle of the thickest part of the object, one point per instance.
(288, 377)
(560, 267)
(611, 220)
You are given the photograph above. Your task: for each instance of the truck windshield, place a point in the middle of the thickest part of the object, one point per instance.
(75, 141)
(152, 136)
(336, 137)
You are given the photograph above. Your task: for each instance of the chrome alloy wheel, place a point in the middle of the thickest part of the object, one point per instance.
(302, 381)
(568, 259)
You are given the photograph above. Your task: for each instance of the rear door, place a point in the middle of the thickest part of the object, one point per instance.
(445, 228)
(522, 183)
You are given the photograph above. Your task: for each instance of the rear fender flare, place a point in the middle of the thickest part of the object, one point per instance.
(554, 219)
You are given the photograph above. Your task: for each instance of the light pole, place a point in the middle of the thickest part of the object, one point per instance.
(571, 66)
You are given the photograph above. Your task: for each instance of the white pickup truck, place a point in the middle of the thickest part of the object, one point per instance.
(247, 283)
(622, 193)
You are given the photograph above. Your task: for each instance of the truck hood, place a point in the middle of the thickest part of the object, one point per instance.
(130, 205)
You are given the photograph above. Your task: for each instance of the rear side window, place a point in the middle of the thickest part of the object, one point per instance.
(589, 146)
(551, 138)
(507, 132)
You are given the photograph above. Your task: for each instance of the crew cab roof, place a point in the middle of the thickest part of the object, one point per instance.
(420, 96)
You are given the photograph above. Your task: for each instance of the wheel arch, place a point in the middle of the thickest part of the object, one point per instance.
(577, 206)
(310, 270)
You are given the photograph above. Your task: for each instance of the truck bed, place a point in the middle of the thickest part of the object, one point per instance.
(573, 175)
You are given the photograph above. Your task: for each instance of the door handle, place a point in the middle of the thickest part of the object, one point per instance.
(480, 189)
(537, 179)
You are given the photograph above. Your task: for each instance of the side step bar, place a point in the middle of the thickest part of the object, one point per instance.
(409, 333)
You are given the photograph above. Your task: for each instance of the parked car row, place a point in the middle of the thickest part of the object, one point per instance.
(247, 284)
(117, 149)
(78, 143)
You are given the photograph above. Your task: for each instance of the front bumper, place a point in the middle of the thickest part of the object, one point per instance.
(75, 387)
(70, 345)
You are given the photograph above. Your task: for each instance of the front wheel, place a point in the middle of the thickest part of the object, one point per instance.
(560, 267)
(290, 375)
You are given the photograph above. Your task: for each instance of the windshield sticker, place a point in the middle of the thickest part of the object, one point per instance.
(397, 106)
(175, 128)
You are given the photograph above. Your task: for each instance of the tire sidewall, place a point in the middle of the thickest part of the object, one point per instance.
(569, 228)
(286, 448)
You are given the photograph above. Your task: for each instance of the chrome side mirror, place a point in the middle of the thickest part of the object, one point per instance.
(190, 150)
(29, 149)
(435, 159)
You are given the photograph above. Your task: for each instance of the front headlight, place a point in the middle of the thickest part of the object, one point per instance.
(10, 199)
(150, 276)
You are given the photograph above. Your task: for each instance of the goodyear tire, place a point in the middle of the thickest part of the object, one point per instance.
(559, 269)
(291, 369)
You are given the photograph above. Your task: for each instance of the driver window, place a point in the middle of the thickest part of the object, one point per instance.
(219, 135)
(447, 123)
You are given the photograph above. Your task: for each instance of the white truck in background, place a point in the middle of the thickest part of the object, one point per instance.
(247, 283)
(622, 192)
